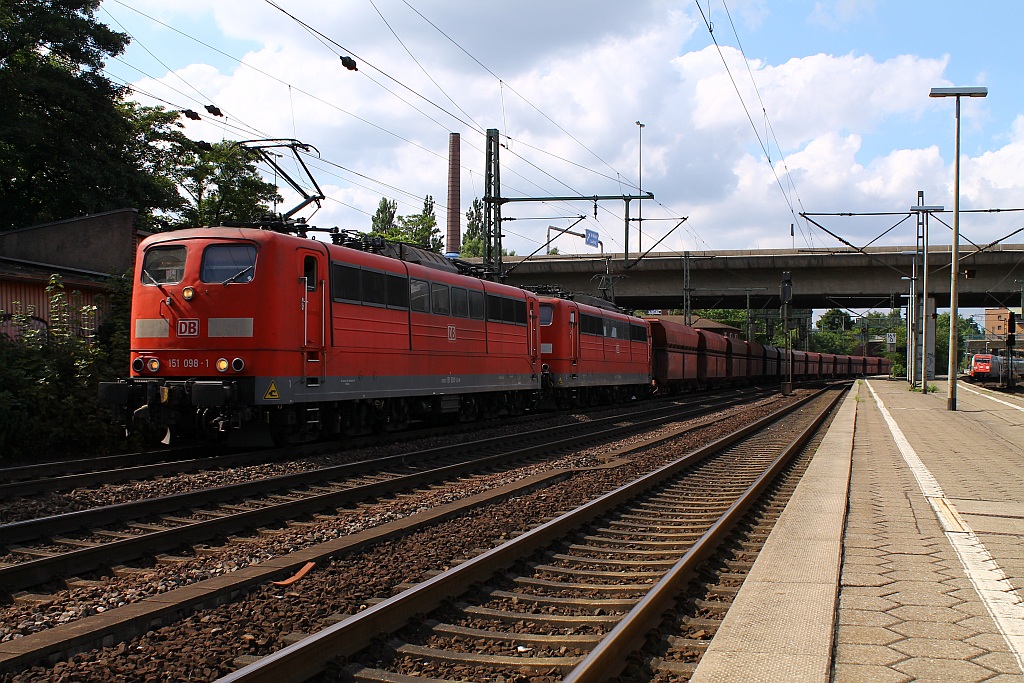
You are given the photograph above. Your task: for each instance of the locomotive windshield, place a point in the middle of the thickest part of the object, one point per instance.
(163, 266)
(225, 263)
(545, 314)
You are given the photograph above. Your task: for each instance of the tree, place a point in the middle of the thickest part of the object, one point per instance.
(384, 222)
(735, 317)
(833, 341)
(473, 238)
(835, 320)
(219, 183)
(965, 327)
(421, 228)
(68, 144)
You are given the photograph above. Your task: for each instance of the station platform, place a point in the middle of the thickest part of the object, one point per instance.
(900, 556)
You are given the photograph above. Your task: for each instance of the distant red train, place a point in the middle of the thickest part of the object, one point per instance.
(246, 328)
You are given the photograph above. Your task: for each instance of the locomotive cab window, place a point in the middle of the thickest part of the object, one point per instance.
(309, 273)
(163, 266)
(546, 313)
(227, 263)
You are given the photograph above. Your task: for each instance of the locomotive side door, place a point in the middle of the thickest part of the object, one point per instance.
(533, 331)
(574, 336)
(313, 305)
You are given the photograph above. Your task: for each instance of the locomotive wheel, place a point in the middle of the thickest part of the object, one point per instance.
(469, 411)
(516, 403)
(208, 427)
(391, 415)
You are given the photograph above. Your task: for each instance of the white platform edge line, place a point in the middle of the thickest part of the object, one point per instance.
(991, 398)
(1002, 603)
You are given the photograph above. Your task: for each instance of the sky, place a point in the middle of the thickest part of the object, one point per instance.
(784, 107)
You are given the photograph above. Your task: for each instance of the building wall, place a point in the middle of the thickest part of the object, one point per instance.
(102, 242)
(996, 321)
(83, 251)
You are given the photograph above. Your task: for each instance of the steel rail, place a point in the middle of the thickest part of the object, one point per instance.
(27, 530)
(34, 572)
(305, 659)
(607, 660)
(41, 471)
(27, 480)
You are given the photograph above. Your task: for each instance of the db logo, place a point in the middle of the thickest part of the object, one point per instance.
(451, 333)
(188, 328)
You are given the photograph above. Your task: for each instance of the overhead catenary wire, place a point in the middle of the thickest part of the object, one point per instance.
(746, 110)
(285, 83)
(327, 38)
(422, 68)
(328, 42)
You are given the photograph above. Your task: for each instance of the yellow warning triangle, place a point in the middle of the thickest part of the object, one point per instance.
(272, 393)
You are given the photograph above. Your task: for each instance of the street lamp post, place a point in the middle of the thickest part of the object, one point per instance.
(954, 266)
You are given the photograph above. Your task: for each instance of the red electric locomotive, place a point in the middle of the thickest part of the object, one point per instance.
(238, 327)
(592, 354)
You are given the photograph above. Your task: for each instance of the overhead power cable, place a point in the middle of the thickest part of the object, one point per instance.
(746, 110)
(505, 84)
(476, 125)
(312, 30)
(282, 82)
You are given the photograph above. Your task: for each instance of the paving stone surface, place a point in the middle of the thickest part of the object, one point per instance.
(907, 611)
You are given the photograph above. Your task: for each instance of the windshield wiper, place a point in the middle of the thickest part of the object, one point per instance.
(151, 278)
(239, 274)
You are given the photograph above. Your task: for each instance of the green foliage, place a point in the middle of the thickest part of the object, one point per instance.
(735, 317)
(834, 341)
(419, 229)
(422, 227)
(965, 327)
(384, 222)
(49, 377)
(473, 238)
(68, 144)
(219, 184)
(835, 320)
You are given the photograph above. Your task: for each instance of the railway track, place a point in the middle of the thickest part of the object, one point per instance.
(165, 611)
(32, 480)
(68, 545)
(573, 597)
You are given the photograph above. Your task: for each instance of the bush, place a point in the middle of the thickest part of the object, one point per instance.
(49, 379)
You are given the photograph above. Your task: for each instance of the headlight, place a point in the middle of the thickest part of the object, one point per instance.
(222, 365)
(138, 365)
(153, 364)
(238, 365)
(188, 293)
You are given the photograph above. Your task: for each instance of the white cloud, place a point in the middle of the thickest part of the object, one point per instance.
(593, 73)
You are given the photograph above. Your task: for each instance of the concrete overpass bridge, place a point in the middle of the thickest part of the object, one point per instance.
(822, 278)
